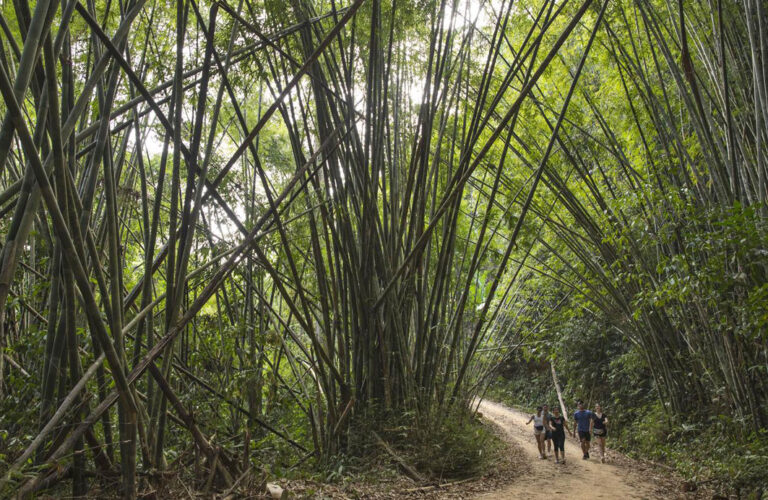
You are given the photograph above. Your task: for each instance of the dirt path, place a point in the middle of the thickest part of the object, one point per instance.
(577, 478)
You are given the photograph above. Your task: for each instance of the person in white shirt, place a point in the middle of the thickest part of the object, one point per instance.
(539, 430)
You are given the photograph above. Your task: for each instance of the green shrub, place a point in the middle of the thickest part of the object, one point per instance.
(451, 445)
(456, 448)
(711, 454)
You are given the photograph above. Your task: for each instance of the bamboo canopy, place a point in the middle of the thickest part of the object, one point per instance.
(354, 205)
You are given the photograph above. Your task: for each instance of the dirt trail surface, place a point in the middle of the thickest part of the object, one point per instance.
(620, 477)
(518, 473)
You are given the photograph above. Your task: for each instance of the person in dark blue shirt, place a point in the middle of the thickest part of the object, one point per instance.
(583, 419)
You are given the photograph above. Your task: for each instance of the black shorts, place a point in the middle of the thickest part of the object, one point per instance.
(548, 435)
(559, 439)
(586, 436)
(599, 434)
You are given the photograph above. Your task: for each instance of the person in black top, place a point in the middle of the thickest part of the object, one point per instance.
(559, 425)
(600, 429)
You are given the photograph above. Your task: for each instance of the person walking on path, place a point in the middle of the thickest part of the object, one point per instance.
(600, 429)
(538, 430)
(559, 425)
(547, 428)
(583, 419)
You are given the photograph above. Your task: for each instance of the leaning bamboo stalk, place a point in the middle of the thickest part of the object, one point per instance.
(553, 138)
(57, 417)
(213, 285)
(70, 251)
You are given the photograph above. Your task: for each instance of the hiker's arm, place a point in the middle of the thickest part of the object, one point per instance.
(529, 420)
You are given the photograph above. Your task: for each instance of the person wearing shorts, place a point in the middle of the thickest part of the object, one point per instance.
(547, 428)
(600, 429)
(559, 425)
(538, 430)
(583, 419)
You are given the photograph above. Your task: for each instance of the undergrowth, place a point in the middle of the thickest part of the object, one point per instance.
(453, 446)
(707, 453)
(710, 453)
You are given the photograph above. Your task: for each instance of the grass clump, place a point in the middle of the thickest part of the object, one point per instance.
(459, 446)
(451, 446)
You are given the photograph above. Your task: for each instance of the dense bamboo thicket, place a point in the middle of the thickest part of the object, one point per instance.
(245, 227)
(663, 228)
(649, 284)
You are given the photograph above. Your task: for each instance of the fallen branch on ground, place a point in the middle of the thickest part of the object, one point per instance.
(410, 471)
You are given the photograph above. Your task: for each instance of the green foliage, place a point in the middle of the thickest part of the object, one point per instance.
(639, 271)
(458, 446)
(710, 452)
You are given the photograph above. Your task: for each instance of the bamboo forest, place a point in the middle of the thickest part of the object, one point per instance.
(346, 248)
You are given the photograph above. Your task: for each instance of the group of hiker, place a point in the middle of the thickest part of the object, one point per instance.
(549, 430)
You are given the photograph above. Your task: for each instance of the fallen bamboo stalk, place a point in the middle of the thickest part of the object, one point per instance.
(16, 365)
(55, 419)
(409, 471)
(439, 486)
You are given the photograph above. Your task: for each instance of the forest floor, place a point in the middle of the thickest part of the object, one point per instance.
(619, 477)
(519, 473)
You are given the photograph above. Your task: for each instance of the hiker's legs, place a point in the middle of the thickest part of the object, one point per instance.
(584, 438)
(559, 450)
(538, 443)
